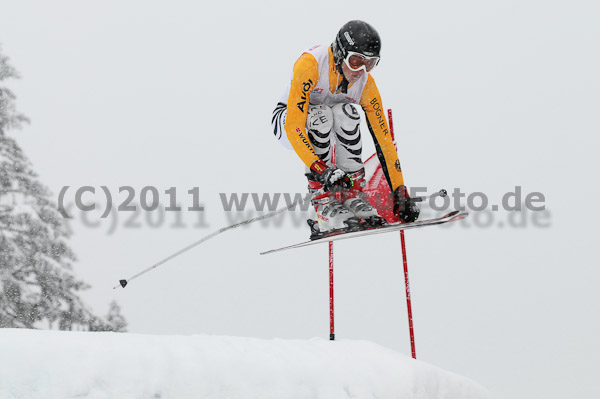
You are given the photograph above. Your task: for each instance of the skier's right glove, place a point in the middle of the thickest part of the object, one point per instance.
(405, 207)
(331, 177)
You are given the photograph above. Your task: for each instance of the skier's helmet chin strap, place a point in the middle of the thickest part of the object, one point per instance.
(338, 58)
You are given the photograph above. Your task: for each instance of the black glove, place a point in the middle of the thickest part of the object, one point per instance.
(405, 208)
(331, 177)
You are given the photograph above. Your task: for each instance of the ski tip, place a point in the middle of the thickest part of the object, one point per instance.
(461, 216)
(123, 283)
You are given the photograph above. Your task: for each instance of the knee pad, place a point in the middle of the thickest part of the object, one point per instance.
(346, 116)
(320, 119)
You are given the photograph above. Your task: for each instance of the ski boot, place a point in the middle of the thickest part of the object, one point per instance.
(355, 201)
(332, 216)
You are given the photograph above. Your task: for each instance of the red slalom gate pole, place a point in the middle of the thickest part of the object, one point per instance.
(331, 313)
(408, 303)
(405, 264)
(331, 323)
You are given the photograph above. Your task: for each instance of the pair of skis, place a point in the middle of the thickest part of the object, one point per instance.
(450, 217)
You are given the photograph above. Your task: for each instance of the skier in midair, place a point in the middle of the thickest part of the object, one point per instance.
(316, 111)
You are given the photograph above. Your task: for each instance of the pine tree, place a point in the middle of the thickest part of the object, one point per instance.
(37, 283)
(114, 321)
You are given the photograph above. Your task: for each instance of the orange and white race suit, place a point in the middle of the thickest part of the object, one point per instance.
(316, 82)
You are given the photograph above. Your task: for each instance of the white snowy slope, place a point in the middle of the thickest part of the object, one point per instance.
(55, 364)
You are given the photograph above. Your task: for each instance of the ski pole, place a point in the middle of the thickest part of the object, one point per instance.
(440, 193)
(124, 282)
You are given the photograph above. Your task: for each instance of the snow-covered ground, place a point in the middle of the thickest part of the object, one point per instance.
(56, 364)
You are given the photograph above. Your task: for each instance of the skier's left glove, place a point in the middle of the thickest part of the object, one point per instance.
(331, 177)
(405, 207)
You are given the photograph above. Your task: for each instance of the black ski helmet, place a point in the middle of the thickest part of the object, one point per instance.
(357, 36)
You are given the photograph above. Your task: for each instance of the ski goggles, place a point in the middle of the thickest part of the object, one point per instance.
(358, 61)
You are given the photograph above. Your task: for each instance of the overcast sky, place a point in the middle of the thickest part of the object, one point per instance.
(486, 96)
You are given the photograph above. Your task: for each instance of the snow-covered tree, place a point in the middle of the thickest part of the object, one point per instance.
(114, 320)
(37, 285)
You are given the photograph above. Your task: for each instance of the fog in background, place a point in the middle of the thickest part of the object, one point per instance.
(486, 96)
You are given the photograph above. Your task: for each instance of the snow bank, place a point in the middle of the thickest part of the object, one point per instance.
(56, 364)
